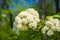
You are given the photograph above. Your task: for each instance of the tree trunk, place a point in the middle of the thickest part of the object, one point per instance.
(11, 19)
(43, 9)
(7, 8)
(43, 15)
(57, 5)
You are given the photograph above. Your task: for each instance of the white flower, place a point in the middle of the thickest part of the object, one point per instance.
(50, 32)
(51, 19)
(24, 28)
(37, 20)
(23, 14)
(53, 24)
(33, 12)
(18, 20)
(54, 21)
(30, 18)
(59, 29)
(19, 26)
(24, 21)
(54, 28)
(57, 23)
(44, 29)
(49, 24)
(33, 25)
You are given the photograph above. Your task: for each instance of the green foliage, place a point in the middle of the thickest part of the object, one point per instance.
(40, 25)
(30, 35)
(57, 16)
(54, 37)
(6, 33)
(47, 18)
(50, 8)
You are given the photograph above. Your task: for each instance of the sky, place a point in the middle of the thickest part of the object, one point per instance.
(25, 3)
(22, 3)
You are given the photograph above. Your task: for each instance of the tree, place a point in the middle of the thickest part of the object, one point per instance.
(43, 9)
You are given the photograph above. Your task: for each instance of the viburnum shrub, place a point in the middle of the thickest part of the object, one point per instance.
(26, 20)
(51, 25)
(29, 19)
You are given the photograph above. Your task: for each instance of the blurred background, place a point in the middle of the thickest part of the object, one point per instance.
(10, 8)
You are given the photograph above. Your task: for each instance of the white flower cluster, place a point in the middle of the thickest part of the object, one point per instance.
(27, 19)
(51, 26)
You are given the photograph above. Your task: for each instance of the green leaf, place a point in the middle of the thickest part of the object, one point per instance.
(57, 16)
